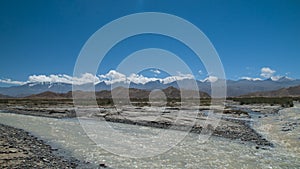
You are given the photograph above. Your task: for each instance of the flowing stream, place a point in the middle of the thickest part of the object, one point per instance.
(218, 152)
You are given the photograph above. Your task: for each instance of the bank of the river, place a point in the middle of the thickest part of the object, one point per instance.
(19, 149)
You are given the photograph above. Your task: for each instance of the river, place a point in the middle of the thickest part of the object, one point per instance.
(68, 135)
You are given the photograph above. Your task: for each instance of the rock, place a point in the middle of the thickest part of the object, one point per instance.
(286, 129)
(102, 165)
(13, 150)
(46, 160)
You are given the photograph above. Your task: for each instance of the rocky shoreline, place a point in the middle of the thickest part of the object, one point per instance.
(19, 149)
(42, 112)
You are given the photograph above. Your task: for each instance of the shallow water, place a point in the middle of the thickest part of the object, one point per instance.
(190, 153)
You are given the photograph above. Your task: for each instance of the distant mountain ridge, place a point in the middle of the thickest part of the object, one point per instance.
(35, 88)
(4, 96)
(284, 92)
(50, 95)
(234, 88)
(121, 92)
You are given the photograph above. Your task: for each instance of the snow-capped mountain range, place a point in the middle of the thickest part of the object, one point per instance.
(234, 88)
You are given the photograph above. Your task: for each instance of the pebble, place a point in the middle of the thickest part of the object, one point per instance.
(102, 165)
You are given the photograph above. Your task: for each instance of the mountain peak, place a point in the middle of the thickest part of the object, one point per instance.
(281, 79)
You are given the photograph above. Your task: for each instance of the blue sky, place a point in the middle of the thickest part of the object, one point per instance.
(45, 37)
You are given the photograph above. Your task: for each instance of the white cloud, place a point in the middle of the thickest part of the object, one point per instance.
(39, 78)
(156, 71)
(83, 79)
(276, 78)
(9, 81)
(251, 78)
(111, 77)
(211, 79)
(267, 72)
(171, 79)
(140, 79)
(60, 78)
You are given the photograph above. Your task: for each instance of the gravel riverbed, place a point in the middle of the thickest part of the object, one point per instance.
(19, 149)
